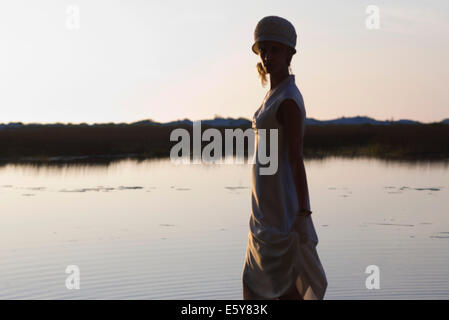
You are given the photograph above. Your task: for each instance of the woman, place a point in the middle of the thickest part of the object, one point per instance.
(281, 258)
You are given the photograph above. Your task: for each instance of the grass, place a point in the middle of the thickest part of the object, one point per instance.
(42, 143)
(389, 141)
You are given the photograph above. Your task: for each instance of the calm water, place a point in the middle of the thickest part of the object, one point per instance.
(156, 230)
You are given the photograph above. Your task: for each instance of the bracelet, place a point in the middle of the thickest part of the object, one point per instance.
(306, 212)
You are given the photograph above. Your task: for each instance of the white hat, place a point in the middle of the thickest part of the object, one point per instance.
(274, 28)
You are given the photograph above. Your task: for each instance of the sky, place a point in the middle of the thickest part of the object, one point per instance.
(98, 61)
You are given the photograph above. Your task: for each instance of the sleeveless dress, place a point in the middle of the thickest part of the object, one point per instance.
(275, 259)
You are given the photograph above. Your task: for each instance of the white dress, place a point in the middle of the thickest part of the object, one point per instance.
(275, 259)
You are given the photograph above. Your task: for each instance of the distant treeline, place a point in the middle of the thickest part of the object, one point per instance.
(399, 141)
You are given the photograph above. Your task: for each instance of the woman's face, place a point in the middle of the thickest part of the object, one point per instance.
(274, 56)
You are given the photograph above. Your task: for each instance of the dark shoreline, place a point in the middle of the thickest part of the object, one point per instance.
(132, 156)
(109, 142)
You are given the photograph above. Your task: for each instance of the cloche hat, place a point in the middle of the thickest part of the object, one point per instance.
(274, 28)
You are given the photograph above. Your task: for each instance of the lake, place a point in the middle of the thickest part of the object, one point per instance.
(157, 230)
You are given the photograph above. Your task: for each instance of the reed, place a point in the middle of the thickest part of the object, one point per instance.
(146, 141)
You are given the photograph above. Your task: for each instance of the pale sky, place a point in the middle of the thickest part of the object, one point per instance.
(125, 61)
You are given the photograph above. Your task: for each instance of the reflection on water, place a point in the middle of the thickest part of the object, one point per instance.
(155, 230)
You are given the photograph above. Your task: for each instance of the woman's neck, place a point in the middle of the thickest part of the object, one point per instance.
(276, 78)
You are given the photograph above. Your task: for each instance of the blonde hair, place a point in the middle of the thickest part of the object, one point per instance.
(263, 73)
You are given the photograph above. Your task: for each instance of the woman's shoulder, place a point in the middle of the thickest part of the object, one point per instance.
(291, 92)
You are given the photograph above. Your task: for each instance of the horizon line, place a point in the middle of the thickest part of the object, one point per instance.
(214, 118)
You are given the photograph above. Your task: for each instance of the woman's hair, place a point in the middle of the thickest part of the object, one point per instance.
(263, 73)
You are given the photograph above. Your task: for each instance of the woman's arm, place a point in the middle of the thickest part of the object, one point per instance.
(289, 115)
